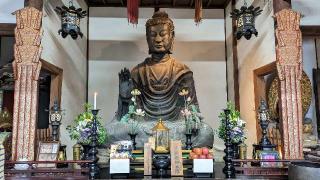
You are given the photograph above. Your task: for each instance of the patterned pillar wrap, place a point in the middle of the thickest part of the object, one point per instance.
(289, 67)
(26, 67)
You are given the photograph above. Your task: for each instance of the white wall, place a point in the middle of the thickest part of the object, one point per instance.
(115, 44)
(7, 7)
(70, 55)
(252, 54)
(309, 9)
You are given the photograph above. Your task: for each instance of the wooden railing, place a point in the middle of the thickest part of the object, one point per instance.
(58, 173)
(271, 169)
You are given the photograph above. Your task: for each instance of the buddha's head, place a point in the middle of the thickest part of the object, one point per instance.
(160, 33)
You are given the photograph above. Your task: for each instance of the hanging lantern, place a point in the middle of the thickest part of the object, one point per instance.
(245, 20)
(161, 135)
(70, 20)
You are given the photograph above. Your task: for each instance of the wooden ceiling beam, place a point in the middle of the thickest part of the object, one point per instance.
(38, 4)
(209, 3)
(7, 29)
(167, 5)
(191, 3)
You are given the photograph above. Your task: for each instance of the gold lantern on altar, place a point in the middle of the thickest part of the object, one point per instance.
(161, 135)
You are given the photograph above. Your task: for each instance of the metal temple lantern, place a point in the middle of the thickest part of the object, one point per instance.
(70, 20)
(264, 117)
(245, 20)
(161, 135)
(55, 120)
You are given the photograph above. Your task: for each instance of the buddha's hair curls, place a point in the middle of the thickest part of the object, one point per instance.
(160, 17)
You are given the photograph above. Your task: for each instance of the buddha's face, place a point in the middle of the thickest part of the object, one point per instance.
(159, 39)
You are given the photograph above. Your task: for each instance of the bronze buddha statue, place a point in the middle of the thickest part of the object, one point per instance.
(159, 78)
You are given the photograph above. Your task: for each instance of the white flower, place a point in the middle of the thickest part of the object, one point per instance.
(183, 92)
(189, 99)
(185, 112)
(78, 128)
(82, 123)
(139, 112)
(241, 122)
(135, 92)
(133, 99)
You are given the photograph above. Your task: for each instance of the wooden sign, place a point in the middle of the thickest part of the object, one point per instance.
(48, 151)
(152, 142)
(176, 158)
(147, 159)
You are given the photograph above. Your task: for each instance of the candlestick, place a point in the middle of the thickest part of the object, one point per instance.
(94, 169)
(228, 169)
(95, 100)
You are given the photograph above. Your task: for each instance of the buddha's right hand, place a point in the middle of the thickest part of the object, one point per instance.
(125, 84)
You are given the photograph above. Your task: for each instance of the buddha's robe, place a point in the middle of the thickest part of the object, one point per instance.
(160, 84)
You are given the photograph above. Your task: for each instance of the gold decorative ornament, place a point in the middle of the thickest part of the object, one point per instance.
(273, 96)
(161, 133)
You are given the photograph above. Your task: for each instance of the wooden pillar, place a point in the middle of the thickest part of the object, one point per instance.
(235, 61)
(26, 67)
(289, 67)
(38, 4)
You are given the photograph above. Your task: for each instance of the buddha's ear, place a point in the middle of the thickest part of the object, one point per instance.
(172, 42)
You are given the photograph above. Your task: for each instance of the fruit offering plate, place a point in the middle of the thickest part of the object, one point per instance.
(201, 153)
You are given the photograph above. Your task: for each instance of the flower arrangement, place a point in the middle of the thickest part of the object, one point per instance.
(134, 115)
(81, 130)
(190, 112)
(237, 126)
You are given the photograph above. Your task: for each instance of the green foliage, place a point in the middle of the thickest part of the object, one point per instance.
(81, 129)
(135, 115)
(237, 126)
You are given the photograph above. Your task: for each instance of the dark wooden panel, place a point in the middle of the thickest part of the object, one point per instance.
(310, 30)
(7, 29)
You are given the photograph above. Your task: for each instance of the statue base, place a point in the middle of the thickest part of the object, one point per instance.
(118, 131)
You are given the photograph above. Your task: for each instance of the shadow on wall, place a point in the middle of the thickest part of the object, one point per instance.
(66, 61)
(138, 51)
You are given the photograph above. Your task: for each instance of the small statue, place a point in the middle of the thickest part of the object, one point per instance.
(308, 138)
(159, 78)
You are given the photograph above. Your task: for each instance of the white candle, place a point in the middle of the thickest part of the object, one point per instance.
(95, 100)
